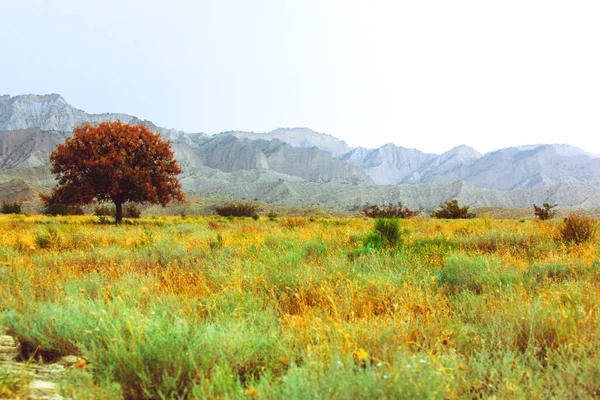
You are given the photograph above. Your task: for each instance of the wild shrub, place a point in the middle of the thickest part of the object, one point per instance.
(104, 220)
(523, 244)
(53, 208)
(132, 210)
(104, 210)
(539, 273)
(215, 225)
(62, 209)
(545, 212)
(389, 211)
(48, 238)
(14, 385)
(462, 273)
(11, 208)
(240, 209)
(433, 251)
(314, 250)
(373, 240)
(451, 210)
(385, 233)
(217, 243)
(389, 229)
(577, 228)
(294, 222)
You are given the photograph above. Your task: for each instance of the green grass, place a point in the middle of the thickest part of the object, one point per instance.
(196, 307)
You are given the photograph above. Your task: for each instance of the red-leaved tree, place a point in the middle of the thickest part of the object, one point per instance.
(116, 162)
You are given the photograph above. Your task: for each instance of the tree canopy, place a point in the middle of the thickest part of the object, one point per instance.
(115, 162)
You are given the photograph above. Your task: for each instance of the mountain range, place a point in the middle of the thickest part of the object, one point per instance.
(298, 166)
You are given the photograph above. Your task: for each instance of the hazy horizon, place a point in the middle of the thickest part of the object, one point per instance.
(427, 76)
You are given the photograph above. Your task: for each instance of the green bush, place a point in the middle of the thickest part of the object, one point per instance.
(389, 211)
(105, 210)
(241, 209)
(556, 272)
(385, 234)
(51, 207)
(451, 210)
(314, 249)
(62, 209)
(11, 208)
(373, 240)
(462, 273)
(131, 210)
(389, 230)
(14, 385)
(48, 238)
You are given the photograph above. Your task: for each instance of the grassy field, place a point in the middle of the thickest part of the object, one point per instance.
(299, 308)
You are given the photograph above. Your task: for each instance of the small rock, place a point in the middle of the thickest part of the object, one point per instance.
(8, 341)
(9, 348)
(43, 390)
(69, 361)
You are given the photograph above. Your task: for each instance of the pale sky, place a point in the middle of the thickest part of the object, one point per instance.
(424, 74)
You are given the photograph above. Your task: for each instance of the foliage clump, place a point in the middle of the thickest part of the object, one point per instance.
(240, 209)
(577, 228)
(538, 273)
(451, 210)
(545, 212)
(132, 210)
(477, 275)
(388, 228)
(52, 207)
(389, 211)
(104, 210)
(386, 233)
(11, 208)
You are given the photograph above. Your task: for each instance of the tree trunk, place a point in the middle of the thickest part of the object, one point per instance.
(119, 212)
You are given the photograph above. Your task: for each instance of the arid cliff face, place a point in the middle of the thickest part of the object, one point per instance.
(303, 167)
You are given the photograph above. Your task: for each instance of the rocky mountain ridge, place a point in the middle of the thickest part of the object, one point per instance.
(299, 137)
(295, 161)
(52, 113)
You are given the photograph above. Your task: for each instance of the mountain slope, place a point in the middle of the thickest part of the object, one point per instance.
(450, 166)
(389, 164)
(530, 167)
(27, 148)
(53, 113)
(32, 125)
(298, 137)
(229, 153)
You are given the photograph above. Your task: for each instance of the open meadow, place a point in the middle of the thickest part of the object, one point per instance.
(303, 308)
